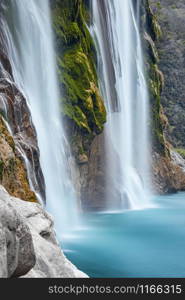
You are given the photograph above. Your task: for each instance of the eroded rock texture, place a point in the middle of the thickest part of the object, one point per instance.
(17, 254)
(28, 245)
(19, 153)
(171, 49)
(168, 175)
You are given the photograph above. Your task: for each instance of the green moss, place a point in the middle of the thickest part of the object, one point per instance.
(75, 75)
(155, 77)
(67, 34)
(13, 175)
(76, 55)
(155, 83)
(76, 114)
(159, 5)
(152, 24)
(99, 112)
(11, 165)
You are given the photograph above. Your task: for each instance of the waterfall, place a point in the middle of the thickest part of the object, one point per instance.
(30, 46)
(116, 26)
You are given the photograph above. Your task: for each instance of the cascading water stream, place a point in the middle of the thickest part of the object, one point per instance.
(127, 128)
(29, 33)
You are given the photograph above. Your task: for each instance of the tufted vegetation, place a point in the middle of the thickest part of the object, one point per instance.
(81, 101)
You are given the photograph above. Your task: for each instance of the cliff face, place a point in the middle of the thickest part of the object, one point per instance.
(171, 49)
(82, 106)
(168, 174)
(17, 136)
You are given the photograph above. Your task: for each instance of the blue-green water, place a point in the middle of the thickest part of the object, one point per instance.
(145, 243)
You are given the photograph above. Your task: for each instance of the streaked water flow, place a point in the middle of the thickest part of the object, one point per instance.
(127, 126)
(29, 33)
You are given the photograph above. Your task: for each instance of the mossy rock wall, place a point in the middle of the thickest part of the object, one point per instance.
(151, 33)
(167, 174)
(13, 175)
(171, 48)
(18, 140)
(82, 106)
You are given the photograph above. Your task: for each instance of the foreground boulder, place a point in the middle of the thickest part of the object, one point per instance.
(17, 254)
(28, 246)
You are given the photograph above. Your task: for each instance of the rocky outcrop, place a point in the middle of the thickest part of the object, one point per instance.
(82, 106)
(19, 153)
(99, 189)
(90, 176)
(151, 32)
(17, 254)
(79, 88)
(81, 100)
(13, 174)
(171, 49)
(168, 175)
(28, 245)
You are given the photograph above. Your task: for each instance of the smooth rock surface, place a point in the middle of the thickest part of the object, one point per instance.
(17, 255)
(50, 261)
(3, 256)
(26, 233)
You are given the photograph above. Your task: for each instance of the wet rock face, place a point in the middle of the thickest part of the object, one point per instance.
(82, 106)
(171, 48)
(81, 102)
(150, 33)
(167, 173)
(13, 174)
(89, 176)
(94, 180)
(18, 142)
(94, 187)
(19, 119)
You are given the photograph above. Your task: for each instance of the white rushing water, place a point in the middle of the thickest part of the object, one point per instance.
(127, 128)
(34, 70)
